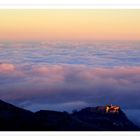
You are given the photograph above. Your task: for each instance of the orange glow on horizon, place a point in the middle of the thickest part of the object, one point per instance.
(70, 24)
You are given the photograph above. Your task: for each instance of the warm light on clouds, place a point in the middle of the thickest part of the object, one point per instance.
(6, 68)
(70, 24)
(64, 85)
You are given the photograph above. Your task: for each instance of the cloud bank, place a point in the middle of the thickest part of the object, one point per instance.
(66, 86)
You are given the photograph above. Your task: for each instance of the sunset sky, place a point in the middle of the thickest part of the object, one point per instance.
(19, 25)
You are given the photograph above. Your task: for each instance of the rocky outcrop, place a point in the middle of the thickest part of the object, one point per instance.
(102, 120)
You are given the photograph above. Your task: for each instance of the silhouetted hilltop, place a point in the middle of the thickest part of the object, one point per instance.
(101, 118)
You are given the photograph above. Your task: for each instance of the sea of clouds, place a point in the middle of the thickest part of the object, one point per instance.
(70, 75)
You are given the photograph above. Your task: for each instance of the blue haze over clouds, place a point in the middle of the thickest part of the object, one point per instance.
(98, 54)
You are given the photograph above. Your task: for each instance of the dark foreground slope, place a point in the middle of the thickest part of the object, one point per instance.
(13, 118)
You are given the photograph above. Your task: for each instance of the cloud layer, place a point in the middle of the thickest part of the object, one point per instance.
(94, 54)
(66, 87)
(67, 75)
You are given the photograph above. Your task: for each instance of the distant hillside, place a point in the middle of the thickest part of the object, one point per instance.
(101, 118)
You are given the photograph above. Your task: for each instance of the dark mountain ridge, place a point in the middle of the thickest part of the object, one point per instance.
(101, 118)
